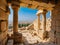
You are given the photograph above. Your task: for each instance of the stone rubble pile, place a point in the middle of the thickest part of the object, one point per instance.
(30, 38)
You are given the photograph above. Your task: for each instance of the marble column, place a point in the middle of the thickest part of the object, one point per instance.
(38, 17)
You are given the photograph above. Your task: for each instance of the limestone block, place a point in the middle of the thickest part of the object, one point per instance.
(35, 24)
(3, 26)
(18, 36)
(3, 15)
(58, 34)
(58, 29)
(40, 34)
(3, 4)
(51, 35)
(4, 34)
(31, 26)
(1, 37)
(43, 34)
(58, 23)
(58, 41)
(4, 41)
(23, 4)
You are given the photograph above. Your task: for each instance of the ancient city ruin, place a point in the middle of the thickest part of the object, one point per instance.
(45, 32)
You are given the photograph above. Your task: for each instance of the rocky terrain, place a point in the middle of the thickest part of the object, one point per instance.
(30, 37)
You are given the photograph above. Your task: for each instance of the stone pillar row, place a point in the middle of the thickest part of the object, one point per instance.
(44, 34)
(44, 19)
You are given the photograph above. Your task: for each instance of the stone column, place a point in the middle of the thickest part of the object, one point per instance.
(44, 20)
(45, 33)
(38, 17)
(16, 34)
(15, 20)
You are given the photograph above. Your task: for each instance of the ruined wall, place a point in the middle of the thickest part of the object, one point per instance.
(3, 22)
(35, 23)
(48, 24)
(30, 27)
(56, 23)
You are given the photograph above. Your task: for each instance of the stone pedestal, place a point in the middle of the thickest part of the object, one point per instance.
(18, 38)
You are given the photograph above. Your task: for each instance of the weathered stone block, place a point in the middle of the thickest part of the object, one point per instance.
(3, 4)
(4, 41)
(3, 35)
(3, 26)
(3, 38)
(51, 35)
(58, 29)
(58, 41)
(58, 34)
(18, 38)
(3, 15)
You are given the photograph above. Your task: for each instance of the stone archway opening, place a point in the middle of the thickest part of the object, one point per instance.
(55, 26)
(38, 24)
(32, 25)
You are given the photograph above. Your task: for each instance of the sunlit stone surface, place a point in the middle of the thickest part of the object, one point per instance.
(45, 32)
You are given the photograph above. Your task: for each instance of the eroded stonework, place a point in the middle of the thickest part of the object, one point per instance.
(45, 28)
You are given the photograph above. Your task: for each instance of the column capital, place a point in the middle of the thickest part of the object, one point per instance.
(44, 12)
(38, 14)
(15, 3)
(15, 8)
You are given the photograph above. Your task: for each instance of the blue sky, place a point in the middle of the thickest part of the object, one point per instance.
(25, 14)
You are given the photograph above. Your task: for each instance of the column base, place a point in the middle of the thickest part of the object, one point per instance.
(45, 35)
(18, 38)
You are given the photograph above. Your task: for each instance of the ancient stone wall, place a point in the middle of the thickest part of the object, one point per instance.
(30, 27)
(48, 24)
(35, 23)
(56, 23)
(3, 22)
